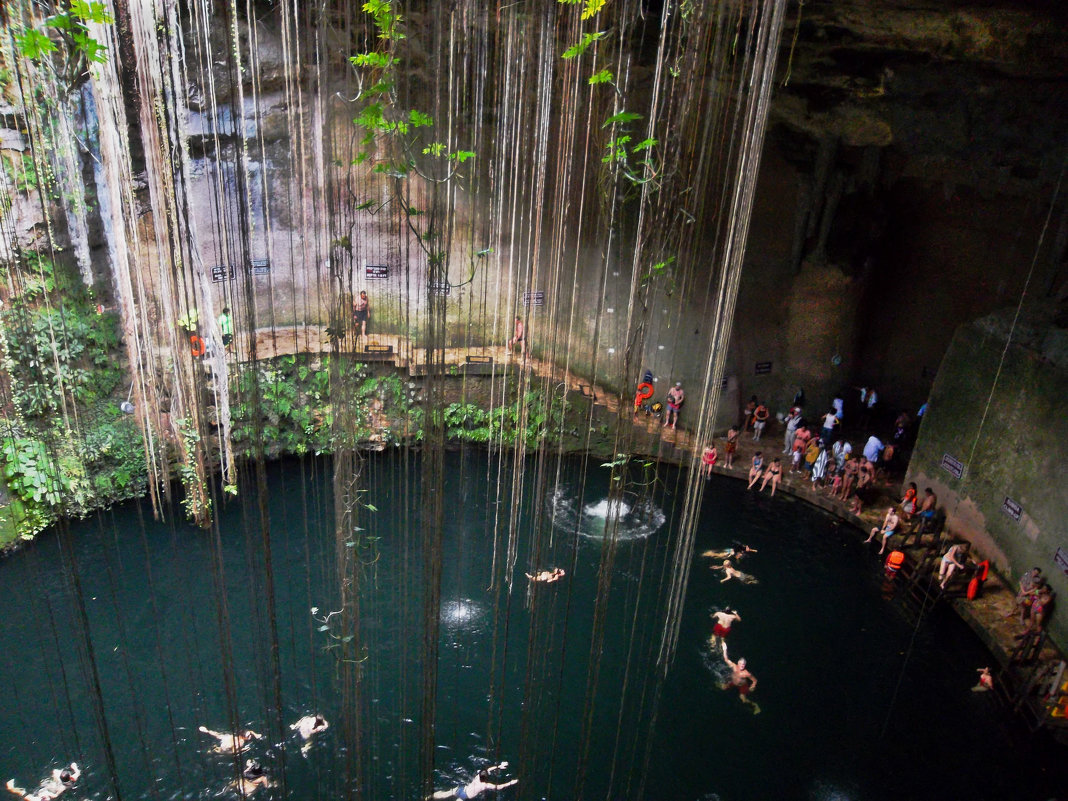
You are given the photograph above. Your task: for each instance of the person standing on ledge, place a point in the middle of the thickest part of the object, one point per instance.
(226, 326)
(361, 310)
(760, 420)
(675, 397)
(476, 786)
(519, 337)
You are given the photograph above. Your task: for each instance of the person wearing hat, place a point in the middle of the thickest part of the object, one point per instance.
(675, 397)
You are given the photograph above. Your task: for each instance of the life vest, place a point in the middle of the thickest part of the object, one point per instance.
(895, 561)
(976, 583)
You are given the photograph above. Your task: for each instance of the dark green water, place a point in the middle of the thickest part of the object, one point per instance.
(843, 715)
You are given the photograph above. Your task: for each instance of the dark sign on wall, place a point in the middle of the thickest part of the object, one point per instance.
(220, 272)
(533, 299)
(377, 272)
(763, 368)
(723, 384)
(1061, 560)
(440, 287)
(261, 267)
(1011, 508)
(953, 466)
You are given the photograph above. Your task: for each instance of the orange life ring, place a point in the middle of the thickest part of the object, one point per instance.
(197, 345)
(645, 390)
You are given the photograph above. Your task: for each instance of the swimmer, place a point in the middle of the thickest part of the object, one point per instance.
(730, 573)
(547, 576)
(986, 681)
(741, 679)
(476, 786)
(252, 779)
(307, 727)
(729, 553)
(232, 743)
(61, 780)
(722, 626)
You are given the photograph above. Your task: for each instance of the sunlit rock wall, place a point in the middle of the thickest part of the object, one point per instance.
(1013, 451)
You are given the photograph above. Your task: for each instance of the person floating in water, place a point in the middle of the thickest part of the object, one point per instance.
(232, 743)
(741, 679)
(307, 727)
(252, 779)
(476, 786)
(61, 780)
(730, 553)
(722, 626)
(730, 573)
(548, 576)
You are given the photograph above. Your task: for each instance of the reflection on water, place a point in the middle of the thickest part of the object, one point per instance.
(628, 518)
(465, 615)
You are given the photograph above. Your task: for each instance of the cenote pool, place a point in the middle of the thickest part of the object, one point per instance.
(560, 679)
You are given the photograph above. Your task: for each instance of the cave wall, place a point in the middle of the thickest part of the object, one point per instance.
(1014, 450)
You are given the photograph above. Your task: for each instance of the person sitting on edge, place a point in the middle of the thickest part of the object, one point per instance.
(708, 459)
(772, 474)
(890, 523)
(760, 420)
(61, 780)
(232, 743)
(675, 397)
(950, 562)
(756, 469)
(547, 576)
(307, 727)
(519, 337)
(252, 779)
(722, 627)
(476, 786)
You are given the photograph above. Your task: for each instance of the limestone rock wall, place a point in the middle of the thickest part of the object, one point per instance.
(1013, 452)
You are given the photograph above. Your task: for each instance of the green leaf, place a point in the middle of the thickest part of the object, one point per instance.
(645, 144)
(371, 507)
(462, 155)
(592, 7)
(581, 47)
(434, 149)
(33, 44)
(374, 60)
(604, 76)
(622, 117)
(420, 120)
(365, 205)
(90, 12)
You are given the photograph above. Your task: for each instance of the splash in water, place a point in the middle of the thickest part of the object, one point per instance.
(632, 519)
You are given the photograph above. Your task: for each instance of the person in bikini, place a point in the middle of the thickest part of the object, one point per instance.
(476, 786)
(773, 474)
(756, 469)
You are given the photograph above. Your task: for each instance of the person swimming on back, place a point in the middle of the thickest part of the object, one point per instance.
(61, 780)
(476, 786)
(307, 727)
(730, 573)
(730, 553)
(547, 576)
(232, 743)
